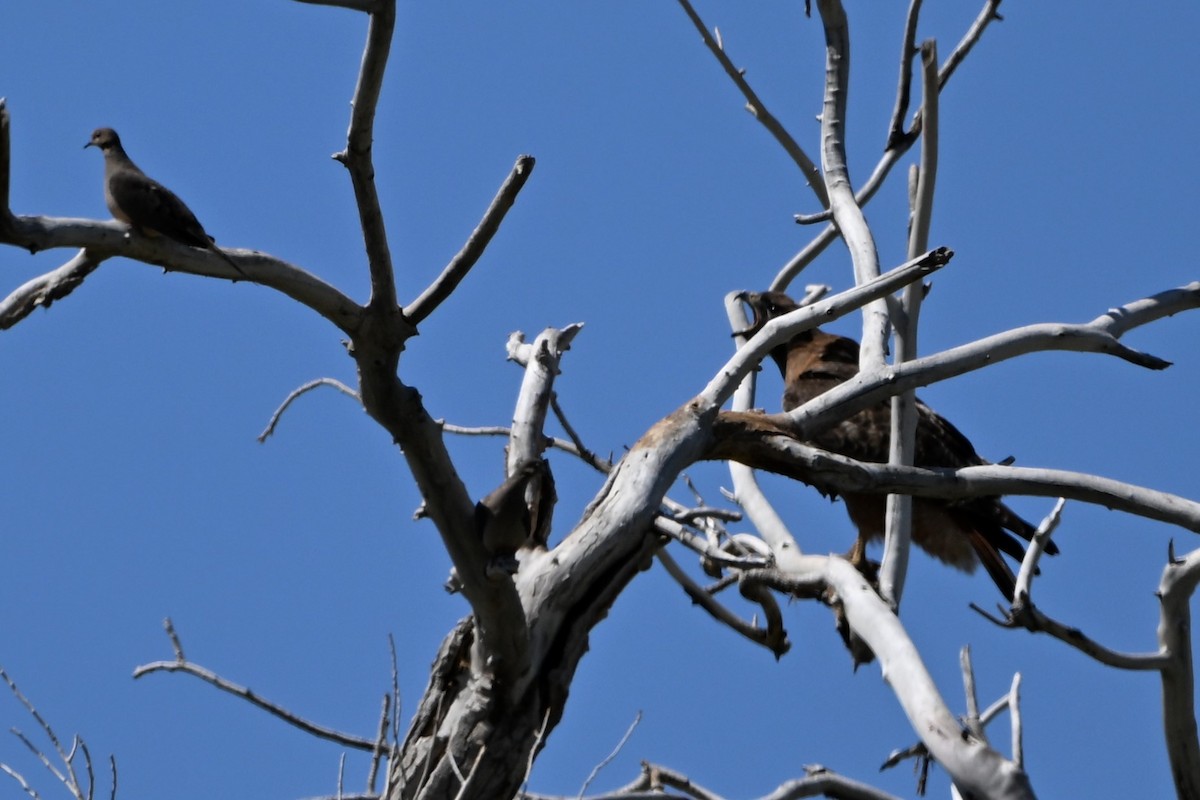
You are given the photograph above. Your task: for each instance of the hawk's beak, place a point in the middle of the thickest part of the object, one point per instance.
(750, 331)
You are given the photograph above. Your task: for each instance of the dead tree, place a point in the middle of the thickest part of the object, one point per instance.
(499, 683)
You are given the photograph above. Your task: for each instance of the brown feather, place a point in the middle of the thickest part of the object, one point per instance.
(960, 533)
(143, 203)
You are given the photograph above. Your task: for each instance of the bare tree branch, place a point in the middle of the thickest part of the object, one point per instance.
(20, 779)
(975, 768)
(540, 358)
(902, 441)
(973, 723)
(756, 107)
(969, 40)
(1175, 591)
(1098, 336)
(67, 776)
(747, 492)
(107, 239)
(609, 758)
(890, 157)
(756, 441)
(381, 738)
(103, 240)
(480, 238)
(587, 457)
(1014, 713)
(780, 330)
(357, 157)
(847, 213)
(42, 291)
(1037, 546)
(296, 393)
(210, 677)
(773, 637)
(582, 450)
(908, 50)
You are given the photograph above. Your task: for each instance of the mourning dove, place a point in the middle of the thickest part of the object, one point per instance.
(145, 204)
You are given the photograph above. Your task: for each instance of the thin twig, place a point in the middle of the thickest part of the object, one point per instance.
(584, 452)
(380, 742)
(296, 393)
(533, 751)
(176, 645)
(705, 549)
(1023, 588)
(904, 90)
(756, 107)
(1029, 617)
(247, 694)
(465, 782)
(558, 444)
(395, 690)
(609, 759)
(774, 639)
(19, 778)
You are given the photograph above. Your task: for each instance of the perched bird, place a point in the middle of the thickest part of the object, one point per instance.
(511, 517)
(145, 204)
(962, 533)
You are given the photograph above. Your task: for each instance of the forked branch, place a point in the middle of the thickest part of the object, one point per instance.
(181, 664)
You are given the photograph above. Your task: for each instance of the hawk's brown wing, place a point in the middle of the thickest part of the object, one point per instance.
(961, 533)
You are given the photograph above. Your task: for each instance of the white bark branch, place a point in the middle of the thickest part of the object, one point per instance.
(1098, 336)
(297, 393)
(902, 440)
(747, 492)
(781, 329)
(42, 291)
(894, 152)
(847, 214)
(112, 238)
(972, 764)
(781, 452)
(1175, 592)
(540, 359)
(773, 637)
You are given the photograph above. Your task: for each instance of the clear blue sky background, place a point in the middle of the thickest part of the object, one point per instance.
(133, 488)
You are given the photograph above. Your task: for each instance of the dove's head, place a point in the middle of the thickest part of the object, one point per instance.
(104, 138)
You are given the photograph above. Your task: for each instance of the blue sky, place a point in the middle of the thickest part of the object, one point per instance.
(133, 487)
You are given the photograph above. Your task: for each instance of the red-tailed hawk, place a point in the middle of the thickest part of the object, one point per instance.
(962, 533)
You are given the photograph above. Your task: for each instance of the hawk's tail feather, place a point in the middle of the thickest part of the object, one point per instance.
(993, 562)
(1012, 521)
